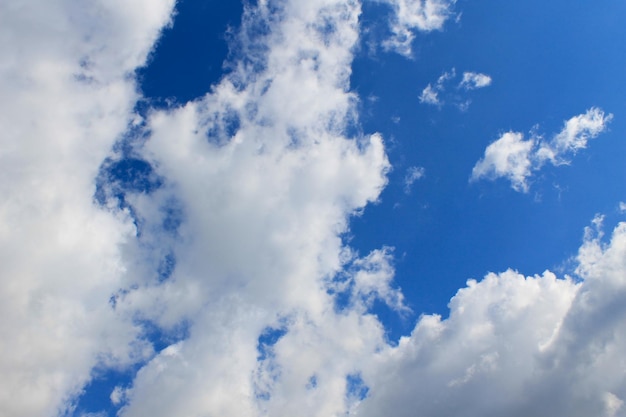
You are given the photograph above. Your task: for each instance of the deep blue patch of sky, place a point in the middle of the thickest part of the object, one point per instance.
(548, 62)
(190, 55)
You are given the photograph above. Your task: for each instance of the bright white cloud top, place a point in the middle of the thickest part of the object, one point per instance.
(415, 15)
(513, 157)
(236, 251)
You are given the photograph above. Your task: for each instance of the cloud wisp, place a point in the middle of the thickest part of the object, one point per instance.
(517, 159)
(413, 174)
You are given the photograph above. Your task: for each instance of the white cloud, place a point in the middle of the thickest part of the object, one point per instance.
(575, 135)
(414, 15)
(517, 159)
(265, 181)
(438, 93)
(66, 97)
(430, 96)
(516, 345)
(412, 174)
(265, 205)
(510, 157)
(473, 80)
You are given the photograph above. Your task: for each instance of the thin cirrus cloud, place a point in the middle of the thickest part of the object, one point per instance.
(264, 308)
(516, 159)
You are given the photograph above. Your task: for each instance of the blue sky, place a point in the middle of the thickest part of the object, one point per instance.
(321, 208)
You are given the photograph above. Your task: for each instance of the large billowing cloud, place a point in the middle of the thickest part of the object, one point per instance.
(235, 255)
(266, 179)
(66, 97)
(517, 346)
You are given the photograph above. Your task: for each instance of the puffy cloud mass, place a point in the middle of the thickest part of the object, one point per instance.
(517, 346)
(516, 158)
(218, 277)
(66, 98)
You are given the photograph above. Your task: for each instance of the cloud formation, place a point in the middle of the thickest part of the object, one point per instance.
(66, 98)
(516, 345)
(415, 15)
(230, 247)
(266, 180)
(515, 158)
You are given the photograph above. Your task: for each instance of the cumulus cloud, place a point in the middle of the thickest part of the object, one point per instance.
(415, 15)
(266, 180)
(516, 345)
(510, 157)
(515, 158)
(66, 97)
(231, 246)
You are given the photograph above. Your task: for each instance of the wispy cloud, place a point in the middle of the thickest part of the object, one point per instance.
(473, 80)
(443, 91)
(412, 174)
(516, 158)
(430, 95)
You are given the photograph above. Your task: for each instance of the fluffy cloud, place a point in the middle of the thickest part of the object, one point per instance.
(514, 158)
(237, 257)
(510, 157)
(516, 345)
(66, 97)
(414, 15)
(266, 180)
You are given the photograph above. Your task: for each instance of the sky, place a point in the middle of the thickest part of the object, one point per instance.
(312, 208)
